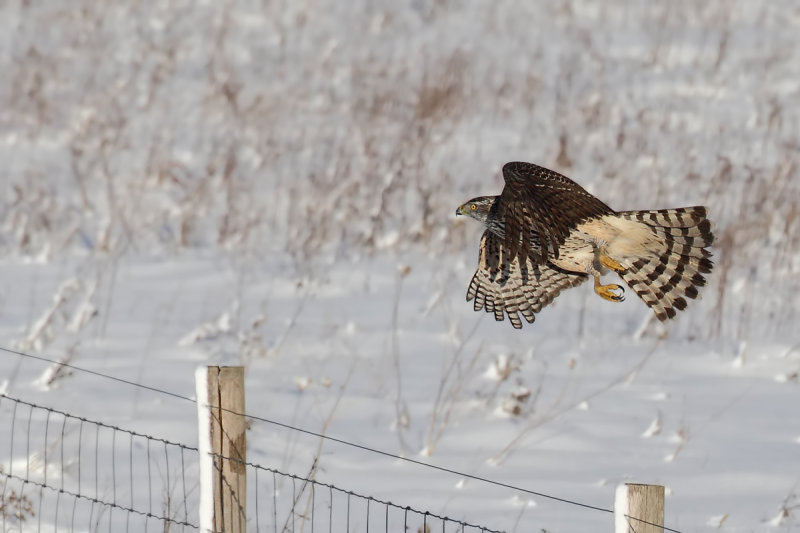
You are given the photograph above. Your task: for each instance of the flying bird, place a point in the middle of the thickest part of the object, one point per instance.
(545, 233)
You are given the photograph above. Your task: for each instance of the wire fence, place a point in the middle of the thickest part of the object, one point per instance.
(64, 472)
(289, 503)
(61, 472)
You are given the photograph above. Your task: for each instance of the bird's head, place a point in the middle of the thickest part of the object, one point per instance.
(477, 208)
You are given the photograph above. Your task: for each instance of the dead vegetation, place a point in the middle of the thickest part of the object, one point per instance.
(267, 127)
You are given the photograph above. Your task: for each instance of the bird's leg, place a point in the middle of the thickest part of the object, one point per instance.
(607, 291)
(606, 261)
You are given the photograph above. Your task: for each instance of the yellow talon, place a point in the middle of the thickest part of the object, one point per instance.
(607, 291)
(610, 263)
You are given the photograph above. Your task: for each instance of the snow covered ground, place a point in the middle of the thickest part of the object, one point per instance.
(273, 184)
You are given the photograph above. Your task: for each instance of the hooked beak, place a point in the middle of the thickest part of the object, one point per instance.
(460, 211)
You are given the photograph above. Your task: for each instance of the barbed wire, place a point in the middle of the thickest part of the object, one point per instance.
(58, 489)
(43, 485)
(347, 492)
(340, 441)
(96, 423)
(53, 445)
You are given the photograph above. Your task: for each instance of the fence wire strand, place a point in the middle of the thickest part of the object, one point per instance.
(183, 448)
(43, 464)
(61, 473)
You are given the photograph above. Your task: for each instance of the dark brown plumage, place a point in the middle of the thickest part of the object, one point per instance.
(538, 201)
(545, 233)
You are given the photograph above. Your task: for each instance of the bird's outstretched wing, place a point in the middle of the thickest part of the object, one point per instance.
(539, 202)
(505, 286)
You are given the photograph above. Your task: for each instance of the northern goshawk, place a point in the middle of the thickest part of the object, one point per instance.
(545, 233)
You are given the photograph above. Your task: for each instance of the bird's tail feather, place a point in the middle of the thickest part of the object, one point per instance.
(673, 265)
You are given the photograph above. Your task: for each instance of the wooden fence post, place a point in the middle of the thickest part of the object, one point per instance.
(639, 509)
(228, 440)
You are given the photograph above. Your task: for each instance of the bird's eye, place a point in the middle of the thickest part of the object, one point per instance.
(473, 207)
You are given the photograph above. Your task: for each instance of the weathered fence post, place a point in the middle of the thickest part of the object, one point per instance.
(225, 431)
(639, 509)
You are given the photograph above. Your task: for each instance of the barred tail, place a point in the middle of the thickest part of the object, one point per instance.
(672, 264)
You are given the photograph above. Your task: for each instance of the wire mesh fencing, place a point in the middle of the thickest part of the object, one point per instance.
(61, 472)
(290, 503)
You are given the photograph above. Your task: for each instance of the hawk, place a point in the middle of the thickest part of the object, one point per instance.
(545, 233)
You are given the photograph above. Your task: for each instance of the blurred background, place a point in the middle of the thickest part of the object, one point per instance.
(328, 130)
(272, 183)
